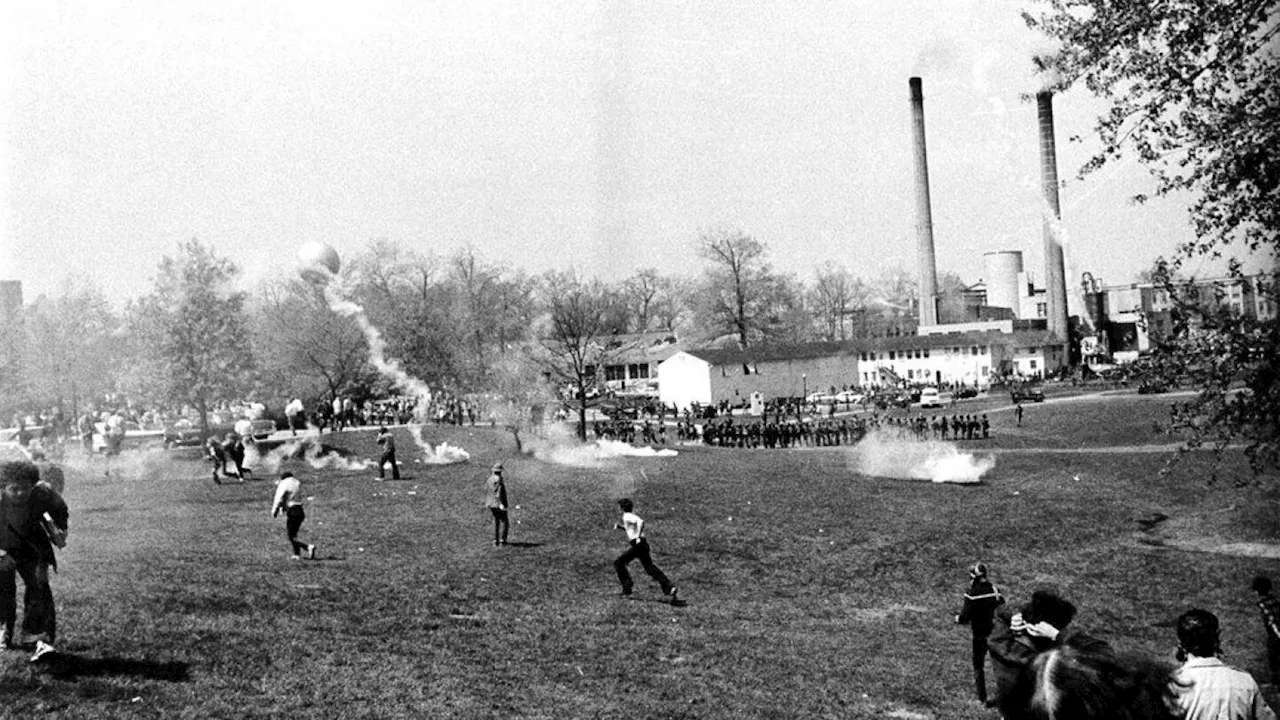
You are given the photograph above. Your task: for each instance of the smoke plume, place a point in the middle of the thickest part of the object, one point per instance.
(887, 454)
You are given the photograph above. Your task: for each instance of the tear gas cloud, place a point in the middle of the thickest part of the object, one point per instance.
(562, 447)
(888, 454)
(442, 454)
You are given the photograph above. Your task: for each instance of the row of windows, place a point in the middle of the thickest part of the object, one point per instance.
(919, 353)
(921, 375)
(634, 371)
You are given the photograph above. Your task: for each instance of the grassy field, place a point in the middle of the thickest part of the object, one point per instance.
(810, 591)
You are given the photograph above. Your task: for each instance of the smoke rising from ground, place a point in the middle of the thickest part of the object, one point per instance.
(562, 447)
(887, 454)
(442, 454)
(389, 367)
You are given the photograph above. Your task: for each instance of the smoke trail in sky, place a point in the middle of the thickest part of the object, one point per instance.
(389, 367)
(886, 454)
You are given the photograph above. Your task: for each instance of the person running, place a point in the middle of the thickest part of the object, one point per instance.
(213, 451)
(289, 499)
(33, 521)
(388, 444)
(978, 612)
(495, 498)
(233, 454)
(638, 549)
(296, 415)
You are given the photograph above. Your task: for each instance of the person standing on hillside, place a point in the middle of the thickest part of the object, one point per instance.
(638, 549)
(289, 499)
(1017, 411)
(978, 612)
(1213, 690)
(495, 498)
(33, 520)
(1269, 606)
(388, 444)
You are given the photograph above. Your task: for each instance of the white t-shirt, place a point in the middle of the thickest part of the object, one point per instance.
(287, 494)
(634, 525)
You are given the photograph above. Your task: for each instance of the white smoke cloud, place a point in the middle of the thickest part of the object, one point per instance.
(562, 447)
(887, 454)
(442, 454)
(389, 367)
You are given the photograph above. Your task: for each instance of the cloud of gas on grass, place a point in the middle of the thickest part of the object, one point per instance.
(562, 447)
(887, 454)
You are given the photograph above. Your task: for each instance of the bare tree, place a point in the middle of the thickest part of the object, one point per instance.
(737, 287)
(304, 348)
(831, 299)
(574, 339)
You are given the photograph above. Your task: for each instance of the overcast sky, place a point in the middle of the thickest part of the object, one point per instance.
(603, 136)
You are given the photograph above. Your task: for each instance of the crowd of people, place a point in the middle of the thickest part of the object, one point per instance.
(1043, 666)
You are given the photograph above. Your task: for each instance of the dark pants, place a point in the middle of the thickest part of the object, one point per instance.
(979, 665)
(639, 550)
(294, 516)
(389, 457)
(500, 525)
(38, 617)
(1273, 657)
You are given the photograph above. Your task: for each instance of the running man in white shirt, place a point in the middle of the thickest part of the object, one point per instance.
(289, 499)
(638, 549)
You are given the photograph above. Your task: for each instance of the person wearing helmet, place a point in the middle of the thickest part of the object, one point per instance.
(978, 612)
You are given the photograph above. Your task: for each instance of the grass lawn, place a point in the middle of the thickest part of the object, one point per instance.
(810, 591)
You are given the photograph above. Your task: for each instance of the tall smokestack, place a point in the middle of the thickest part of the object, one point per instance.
(926, 266)
(1054, 270)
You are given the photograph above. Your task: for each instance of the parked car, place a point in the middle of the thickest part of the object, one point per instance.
(931, 398)
(965, 392)
(819, 397)
(134, 436)
(185, 433)
(1026, 394)
(1152, 387)
(849, 396)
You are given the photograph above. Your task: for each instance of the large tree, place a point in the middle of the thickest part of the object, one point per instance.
(195, 325)
(71, 348)
(1192, 93)
(304, 348)
(740, 290)
(574, 337)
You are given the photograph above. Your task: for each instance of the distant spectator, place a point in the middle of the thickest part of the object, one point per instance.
(1215, 690)
(296, 414)
(495, 498)
(1269, 606)
(388, 443)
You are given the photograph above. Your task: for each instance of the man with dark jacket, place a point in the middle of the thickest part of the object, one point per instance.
(33, 519)
(978, 612)
(1018, 638)
(388, 456)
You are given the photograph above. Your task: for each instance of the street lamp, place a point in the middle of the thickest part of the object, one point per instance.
(804, 378)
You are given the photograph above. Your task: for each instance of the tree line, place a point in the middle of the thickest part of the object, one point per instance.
(198, 337)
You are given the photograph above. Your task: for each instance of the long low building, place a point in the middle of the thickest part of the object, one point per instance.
(974, 359)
